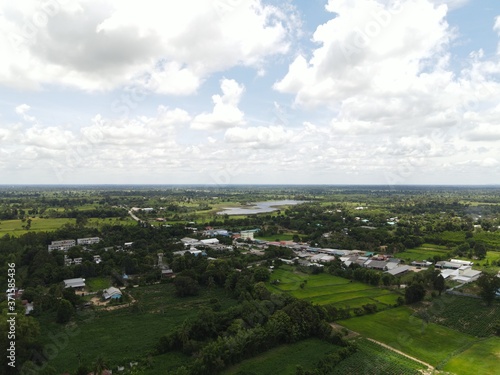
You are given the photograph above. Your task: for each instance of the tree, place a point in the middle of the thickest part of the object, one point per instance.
(64, 311)
(261, 274)
(185, 286)
(414, 293)
(488, 284)
(439, 284)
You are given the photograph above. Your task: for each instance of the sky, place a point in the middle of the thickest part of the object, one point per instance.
(222, 92)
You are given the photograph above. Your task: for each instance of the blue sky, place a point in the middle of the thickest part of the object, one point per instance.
(250, 91)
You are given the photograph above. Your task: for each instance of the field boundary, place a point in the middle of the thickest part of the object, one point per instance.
(429, 366)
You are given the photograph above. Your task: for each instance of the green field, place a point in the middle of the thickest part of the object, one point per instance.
(482, 358)
(15, 227)
(467, 315)
(423, 252)
(328, 289)
(401, 330)
(274, 237)
(284, 359)
(123, 335)
(97, 284)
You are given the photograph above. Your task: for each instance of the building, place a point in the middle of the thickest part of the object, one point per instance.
(210, 241)
(247, 235)
(449, 265)
(88, 241)
(62, 245)
(77, 283)
(398, 271)
(111, 293)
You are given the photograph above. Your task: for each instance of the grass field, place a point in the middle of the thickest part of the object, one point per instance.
(96, 284)
(423, 252)
(481, 358)
(284, 359)
(15, 227)
(281, 237)
(398, 328)
(122, 335)
(327, 289)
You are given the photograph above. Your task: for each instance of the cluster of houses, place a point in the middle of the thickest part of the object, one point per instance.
(75, 261)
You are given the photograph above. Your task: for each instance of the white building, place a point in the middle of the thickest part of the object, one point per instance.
(88, 241)
(74, 283)
(247, 235)
(63, 245)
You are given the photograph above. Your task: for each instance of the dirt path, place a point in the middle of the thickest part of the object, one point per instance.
(351, 334)
(430, 368)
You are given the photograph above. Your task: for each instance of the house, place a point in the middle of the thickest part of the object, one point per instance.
(376, 264)
(188, 242)
(167, 273)
(421, 263)
(466, 274)
(247, 235)
(111, 293)
(448, 265)
(77, 283)
(97, 259)
(461, 262)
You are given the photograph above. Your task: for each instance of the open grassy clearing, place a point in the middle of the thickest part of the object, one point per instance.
(481, 358)
(327, 289)
(423, 252)
(284, 359)
(97, 284)
(15, 227)
(126, 334)
(280, 237)
(403, 331)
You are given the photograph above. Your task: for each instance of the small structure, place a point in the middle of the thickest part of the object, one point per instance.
(77, 283)
(111, 293)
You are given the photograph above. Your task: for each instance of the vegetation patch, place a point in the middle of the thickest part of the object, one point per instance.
(402, 330)
(285, 358)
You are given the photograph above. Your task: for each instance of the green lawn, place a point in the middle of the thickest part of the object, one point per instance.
(274, 237)
(284, 359)
(15, 227)
(482, 358)
(327, 289)
(398, 328)
(425, 251)
(123, 335)
(97, 284)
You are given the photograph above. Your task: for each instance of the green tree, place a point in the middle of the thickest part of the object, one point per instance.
(414, 293)
(185, 286)
(439, 284)
(64, 311)
(489, 284)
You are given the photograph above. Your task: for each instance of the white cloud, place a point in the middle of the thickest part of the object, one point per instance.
(225, 113)
(259, 136)
(101, 45)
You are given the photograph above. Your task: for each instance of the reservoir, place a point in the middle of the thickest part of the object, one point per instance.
(258, 207)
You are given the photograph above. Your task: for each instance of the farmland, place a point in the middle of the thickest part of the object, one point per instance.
(284, 359)
(126, 334)
(467, 315)
(327, 289)
(400, 329)
(374, 359)
(423, 252)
